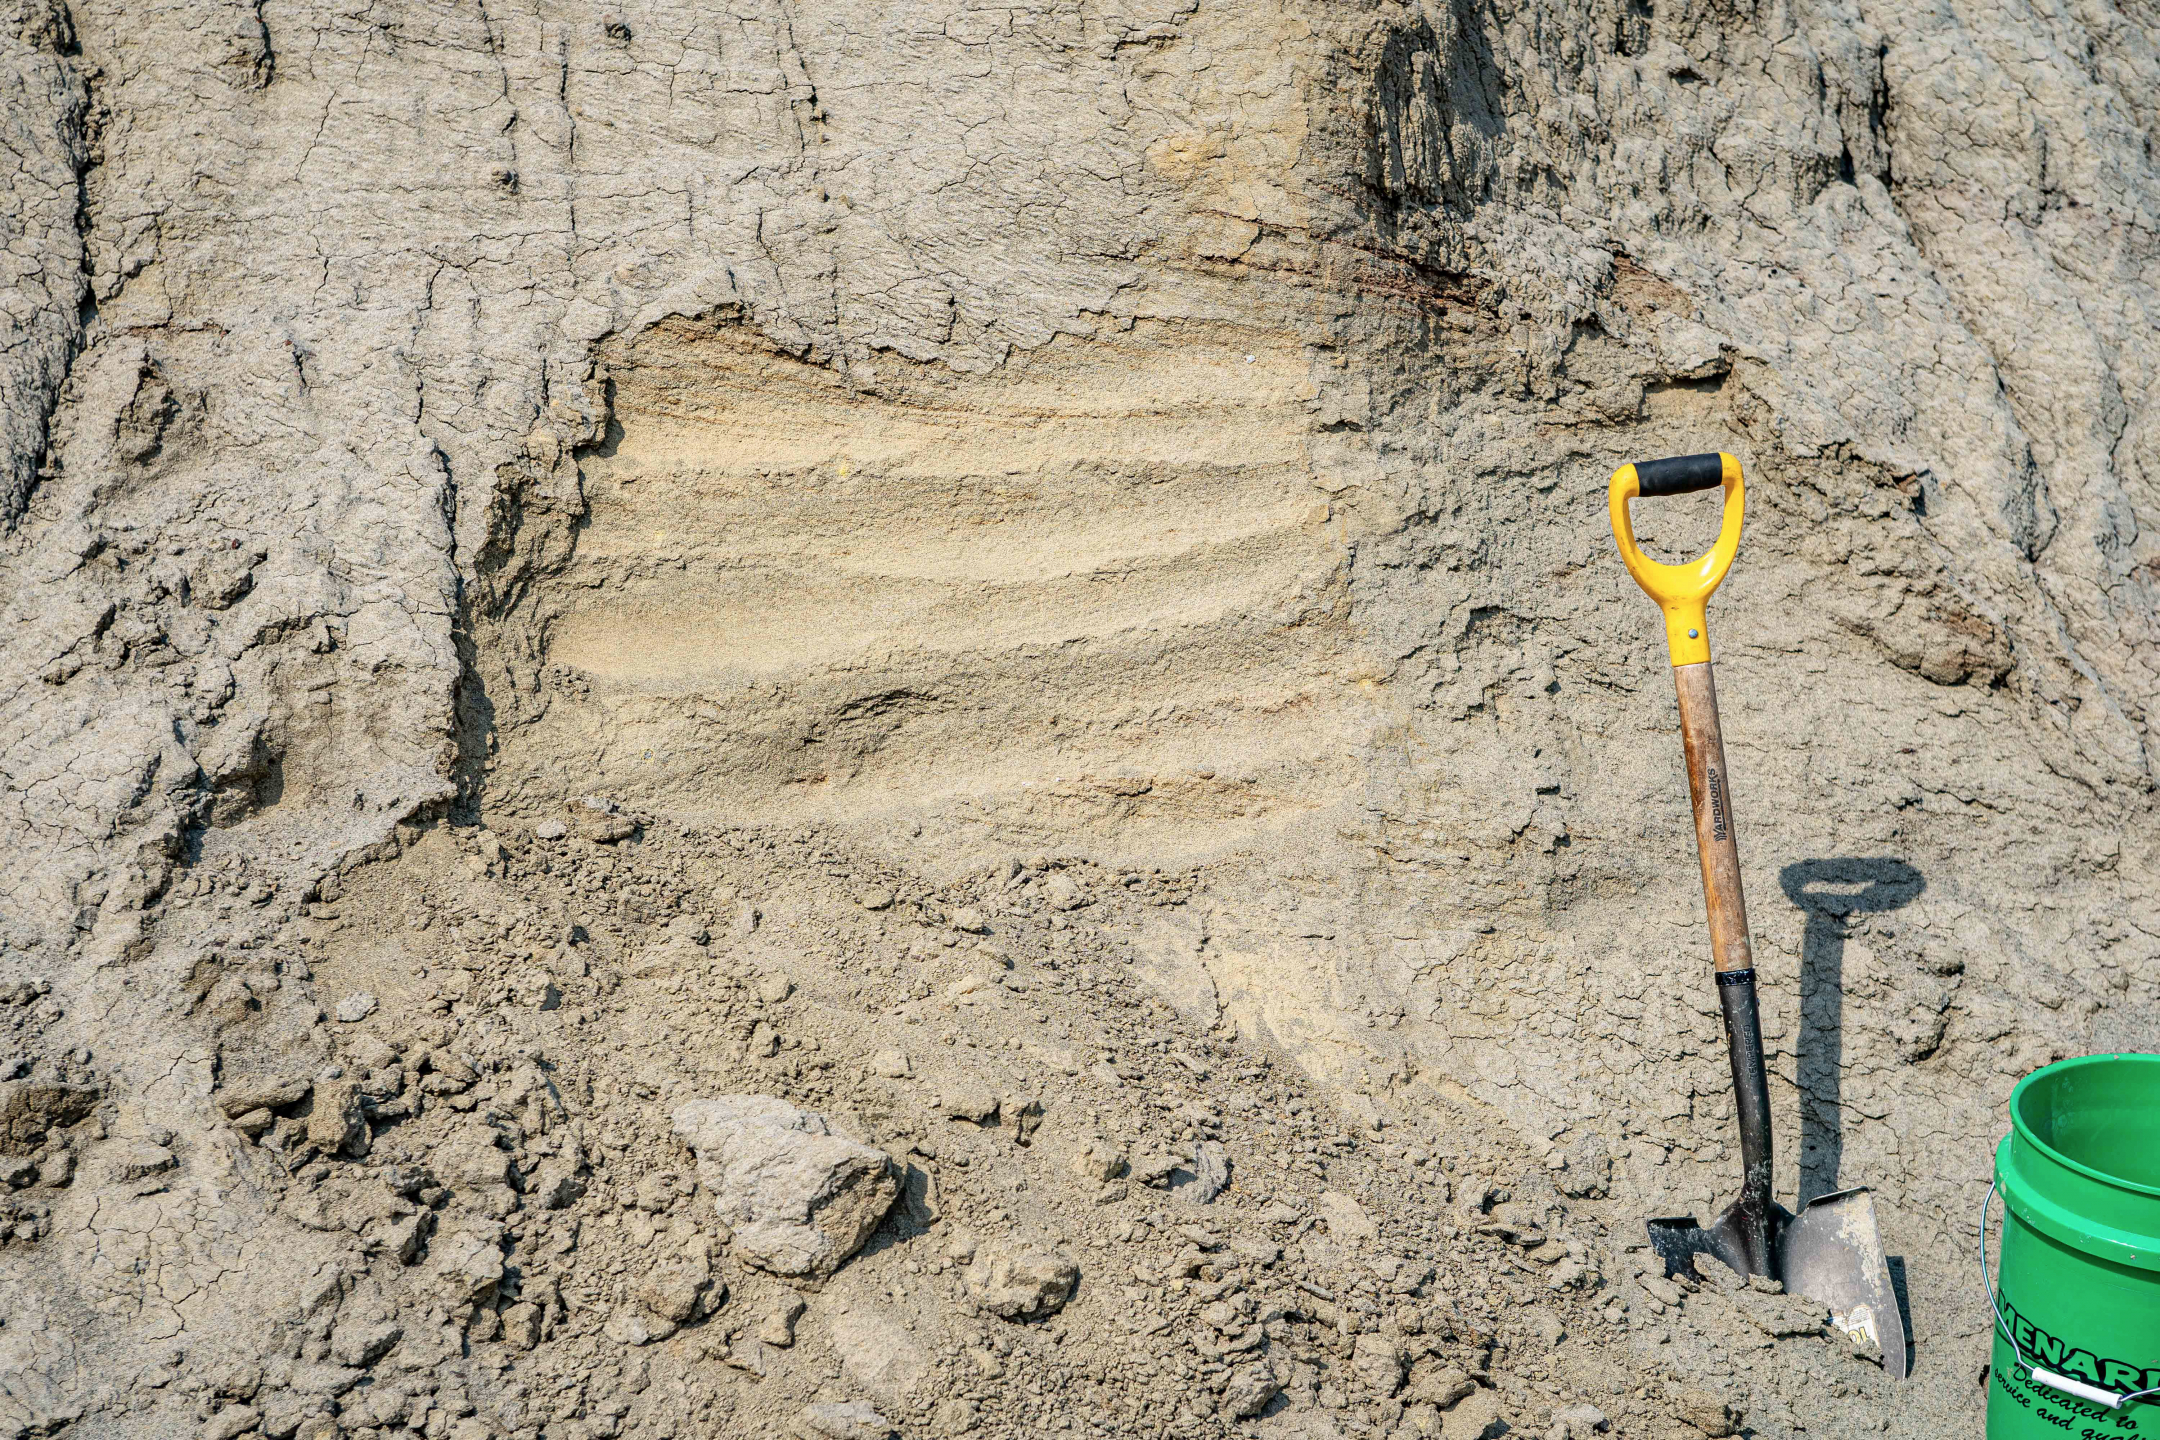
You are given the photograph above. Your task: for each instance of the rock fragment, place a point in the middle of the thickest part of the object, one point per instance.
(750, 1355)
(1707, 1413)
(1211, 1173)
(1155, 1167)
(469, 1262)
(1098, 1161)
(1020, 1283)
(31, 1109)
(472, 1161)
(1779, 1315)
(355, 1007)
(1223, 1315)
(336, 1124)
(635, 1325)
(1346, 1219)
(798, 1198)
(556, 1185)
(230, 1421)
(284, 1410)
(330, 1381)
(855, 1420)
(1658, 1288)
(878, 1353)
(968, 1100)
(1021, 1114)
(1588, 1173)
(403, 1238)
(778, 1326)
(127, 1161)
(656, 1192)
(955, 1417)
(1377, 1361)
(1438, 1384)
(970, 989)
(600, 820)
(1250, 1389)
(363, 1344)
(263, 1095)
(676, 1293)
(522, 1324)
(447, 1074)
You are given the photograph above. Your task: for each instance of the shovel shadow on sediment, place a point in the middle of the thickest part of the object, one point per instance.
(1830, 893)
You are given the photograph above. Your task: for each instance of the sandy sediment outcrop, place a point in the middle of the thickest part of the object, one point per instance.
(1035, 584)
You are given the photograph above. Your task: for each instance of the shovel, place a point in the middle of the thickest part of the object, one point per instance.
(1831, 1251)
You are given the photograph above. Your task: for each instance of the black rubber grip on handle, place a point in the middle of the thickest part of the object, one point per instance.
(1680, 474)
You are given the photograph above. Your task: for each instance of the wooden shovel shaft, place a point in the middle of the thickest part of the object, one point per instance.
(1708, 782)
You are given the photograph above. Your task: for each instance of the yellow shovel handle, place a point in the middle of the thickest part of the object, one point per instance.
(1681, 591)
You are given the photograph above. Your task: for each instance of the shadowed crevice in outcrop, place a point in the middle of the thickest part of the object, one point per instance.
(1438, 121)
(536, 509)
(44, 268)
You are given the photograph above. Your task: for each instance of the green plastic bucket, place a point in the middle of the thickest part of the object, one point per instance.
(2077, 1289)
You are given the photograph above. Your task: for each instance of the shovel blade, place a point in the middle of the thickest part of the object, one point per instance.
(1832, 1252)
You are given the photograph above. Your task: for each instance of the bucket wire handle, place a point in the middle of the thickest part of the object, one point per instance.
(2112, 1399)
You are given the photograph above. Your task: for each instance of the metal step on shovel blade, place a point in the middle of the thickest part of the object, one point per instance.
(1831, 1252)
(1740, 1237)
